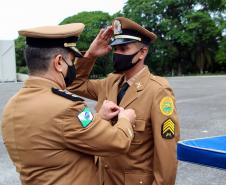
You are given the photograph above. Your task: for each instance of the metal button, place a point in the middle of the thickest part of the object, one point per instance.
(134, 125)
(106, 166)
(141, 182)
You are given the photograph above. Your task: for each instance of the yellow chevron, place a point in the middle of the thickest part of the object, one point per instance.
(169, 129)
(169, 122)
(168, 126)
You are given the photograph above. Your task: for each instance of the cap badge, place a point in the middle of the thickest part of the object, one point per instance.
(69, 45)
(117, 27)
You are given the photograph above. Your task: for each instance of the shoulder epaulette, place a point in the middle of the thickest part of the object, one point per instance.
(160, 80)
(66, 94)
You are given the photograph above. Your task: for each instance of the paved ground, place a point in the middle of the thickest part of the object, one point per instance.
(201, 103)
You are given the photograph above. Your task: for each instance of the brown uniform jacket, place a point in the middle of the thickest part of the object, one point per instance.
(151, 159)
(47, 142)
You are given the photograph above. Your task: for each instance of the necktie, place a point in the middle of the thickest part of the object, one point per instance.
(122, 92)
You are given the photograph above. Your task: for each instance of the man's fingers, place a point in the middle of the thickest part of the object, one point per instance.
(112, 105)
(114, 109)
(107, 33)
(109, 48)
(110, 32)
(113, 114)
(121, 109)
(100, 34)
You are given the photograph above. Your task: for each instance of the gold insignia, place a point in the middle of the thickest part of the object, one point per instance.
(117, 27)
(167, 106)
(69, 45)
(168, 129)
(139, 85)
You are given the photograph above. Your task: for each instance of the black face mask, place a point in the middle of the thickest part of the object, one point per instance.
(123, 62)
(71, 74)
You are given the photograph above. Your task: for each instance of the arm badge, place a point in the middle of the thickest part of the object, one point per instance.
(85, 117)
(167, 106)
(168, 129)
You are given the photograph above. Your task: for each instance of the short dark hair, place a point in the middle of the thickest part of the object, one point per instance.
(141, 44)
(38, 59)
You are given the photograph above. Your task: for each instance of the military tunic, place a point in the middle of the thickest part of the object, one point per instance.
(151, 159)
(47, 141)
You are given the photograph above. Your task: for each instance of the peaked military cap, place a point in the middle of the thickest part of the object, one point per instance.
(54, 36)
(127, 31)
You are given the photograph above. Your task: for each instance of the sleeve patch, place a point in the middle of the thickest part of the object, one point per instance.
(66, 94)
(168, 129)
(85, 117)
(167, 106)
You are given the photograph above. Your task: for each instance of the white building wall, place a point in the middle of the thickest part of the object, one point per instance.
(7, 61)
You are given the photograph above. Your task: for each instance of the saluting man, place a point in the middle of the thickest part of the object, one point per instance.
(50, 134)
(151, 159)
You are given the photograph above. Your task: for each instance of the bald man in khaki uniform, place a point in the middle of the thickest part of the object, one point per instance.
(50, 134)
(151, 159)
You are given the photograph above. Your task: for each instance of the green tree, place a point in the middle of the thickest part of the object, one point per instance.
(20, 61)
(221, 52)
(187, 32)
(165, 18)
(205, 34)
(191, 35)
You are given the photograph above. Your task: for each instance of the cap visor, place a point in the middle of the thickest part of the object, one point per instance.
(122, 41)
(77, 52)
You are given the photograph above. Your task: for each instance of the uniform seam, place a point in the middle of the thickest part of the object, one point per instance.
(13, 116)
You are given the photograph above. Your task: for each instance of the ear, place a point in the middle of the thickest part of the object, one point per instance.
(58, 63)
(144, 52)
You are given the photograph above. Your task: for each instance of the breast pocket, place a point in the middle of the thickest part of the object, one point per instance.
(139, 131)
(138, 179)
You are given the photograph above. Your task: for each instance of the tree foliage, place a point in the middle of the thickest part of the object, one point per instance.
(188, 33)
(191, 35)
(20, 61)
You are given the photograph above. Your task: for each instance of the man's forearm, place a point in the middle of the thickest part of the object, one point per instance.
(82, 85)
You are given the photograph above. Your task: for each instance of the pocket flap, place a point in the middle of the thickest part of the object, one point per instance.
(139, 125)
(137, 178)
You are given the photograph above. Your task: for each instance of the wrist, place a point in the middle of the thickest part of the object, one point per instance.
(102, 116)
(90, 55)
(124, 117)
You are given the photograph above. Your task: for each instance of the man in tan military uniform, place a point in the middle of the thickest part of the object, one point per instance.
(50, 134)
(151, 159)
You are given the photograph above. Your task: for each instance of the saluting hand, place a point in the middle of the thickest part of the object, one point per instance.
(108, 110)
(99, 46)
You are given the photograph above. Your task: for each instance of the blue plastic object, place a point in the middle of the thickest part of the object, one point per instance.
(204, 151)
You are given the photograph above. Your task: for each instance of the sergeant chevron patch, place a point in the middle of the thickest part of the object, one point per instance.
(168, 129)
